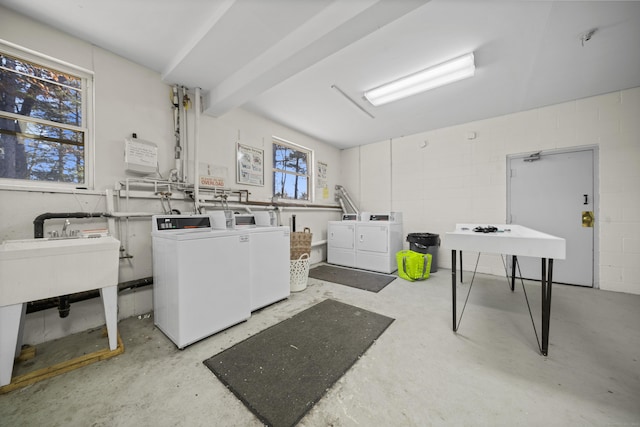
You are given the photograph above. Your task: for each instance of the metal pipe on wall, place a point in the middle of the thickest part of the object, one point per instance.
(176, 128)
(342, 193)
(45, 304)
(318, 243)
(38, 222)
(63, 301)
(185, 135)
(196, 143)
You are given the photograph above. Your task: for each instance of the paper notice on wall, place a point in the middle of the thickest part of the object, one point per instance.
(321, 178)
(213, 176)
(250, 165)
(140, 156)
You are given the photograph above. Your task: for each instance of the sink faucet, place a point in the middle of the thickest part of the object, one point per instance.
(64, 227)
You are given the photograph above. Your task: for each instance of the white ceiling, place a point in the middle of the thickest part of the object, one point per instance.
(280, 58)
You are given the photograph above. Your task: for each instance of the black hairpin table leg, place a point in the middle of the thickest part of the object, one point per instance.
(453, 286)
(547, 281)
(514, 262)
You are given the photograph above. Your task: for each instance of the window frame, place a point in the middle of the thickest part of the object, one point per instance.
(310, 169)
(88, 111)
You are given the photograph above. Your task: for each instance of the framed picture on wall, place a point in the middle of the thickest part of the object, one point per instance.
(250, 165)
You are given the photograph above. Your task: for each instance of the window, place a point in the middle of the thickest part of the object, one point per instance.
(44, 122)
(291, 174)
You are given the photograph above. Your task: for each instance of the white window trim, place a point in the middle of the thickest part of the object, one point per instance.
(88, 105)
(310, 167)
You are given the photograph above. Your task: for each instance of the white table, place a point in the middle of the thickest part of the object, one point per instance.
(35, 269)
(514, 240)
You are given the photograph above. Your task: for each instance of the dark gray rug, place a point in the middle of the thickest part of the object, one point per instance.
(281, 372)
(373, 282)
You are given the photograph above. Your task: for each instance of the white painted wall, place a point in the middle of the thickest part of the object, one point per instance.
(132, 99)
(454, 179)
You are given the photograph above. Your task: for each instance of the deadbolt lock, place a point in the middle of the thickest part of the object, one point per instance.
(587, 218)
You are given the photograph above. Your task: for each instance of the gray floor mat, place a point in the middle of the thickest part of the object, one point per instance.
(281, 372)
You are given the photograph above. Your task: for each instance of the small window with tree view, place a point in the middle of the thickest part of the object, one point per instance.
(43, 122)
(291, 174)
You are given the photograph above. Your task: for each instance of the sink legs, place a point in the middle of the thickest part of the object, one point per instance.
(109, 296)
(9, 330)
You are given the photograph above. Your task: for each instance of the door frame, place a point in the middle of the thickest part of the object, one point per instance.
(596, 195)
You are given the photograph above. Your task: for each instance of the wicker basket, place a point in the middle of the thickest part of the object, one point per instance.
(299, 273)
(300, 244)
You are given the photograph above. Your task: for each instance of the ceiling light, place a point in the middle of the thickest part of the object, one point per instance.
(438, 75)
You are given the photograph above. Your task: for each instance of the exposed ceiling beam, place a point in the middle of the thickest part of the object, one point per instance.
(303, 48)
(196, 38)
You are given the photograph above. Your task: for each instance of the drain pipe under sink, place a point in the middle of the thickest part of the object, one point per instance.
(64, 301)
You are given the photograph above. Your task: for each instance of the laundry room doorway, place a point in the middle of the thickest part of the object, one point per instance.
(554, 192)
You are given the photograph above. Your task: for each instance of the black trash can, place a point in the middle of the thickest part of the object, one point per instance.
(425, 243)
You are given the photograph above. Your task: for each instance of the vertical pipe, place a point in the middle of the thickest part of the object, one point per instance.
(111, 221)
(176, 128)
(196, 142)
(185, 144)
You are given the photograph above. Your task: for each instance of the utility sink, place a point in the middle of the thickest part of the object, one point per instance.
(35, 269)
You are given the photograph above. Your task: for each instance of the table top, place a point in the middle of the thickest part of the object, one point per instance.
(510, 239)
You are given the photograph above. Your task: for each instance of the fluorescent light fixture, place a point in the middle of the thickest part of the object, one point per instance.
(432, 77)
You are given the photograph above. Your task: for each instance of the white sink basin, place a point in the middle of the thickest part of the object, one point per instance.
(35, 269)
(43, 268)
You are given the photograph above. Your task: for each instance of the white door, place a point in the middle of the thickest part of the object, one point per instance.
(549, 192)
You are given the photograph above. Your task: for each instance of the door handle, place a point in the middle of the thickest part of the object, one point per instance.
(587, 219)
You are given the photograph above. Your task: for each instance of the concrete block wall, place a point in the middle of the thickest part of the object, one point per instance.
(458, 174)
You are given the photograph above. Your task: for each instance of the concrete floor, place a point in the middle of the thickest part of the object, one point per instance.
(418, 373)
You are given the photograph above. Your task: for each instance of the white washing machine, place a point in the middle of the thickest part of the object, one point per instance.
(268, 258)
(341, 243)
(200, 277)
(269, 272)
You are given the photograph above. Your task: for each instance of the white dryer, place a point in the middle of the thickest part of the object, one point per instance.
(377, 244)
(341, 243)
(200, 277)
(378, 239)
(370, 242)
